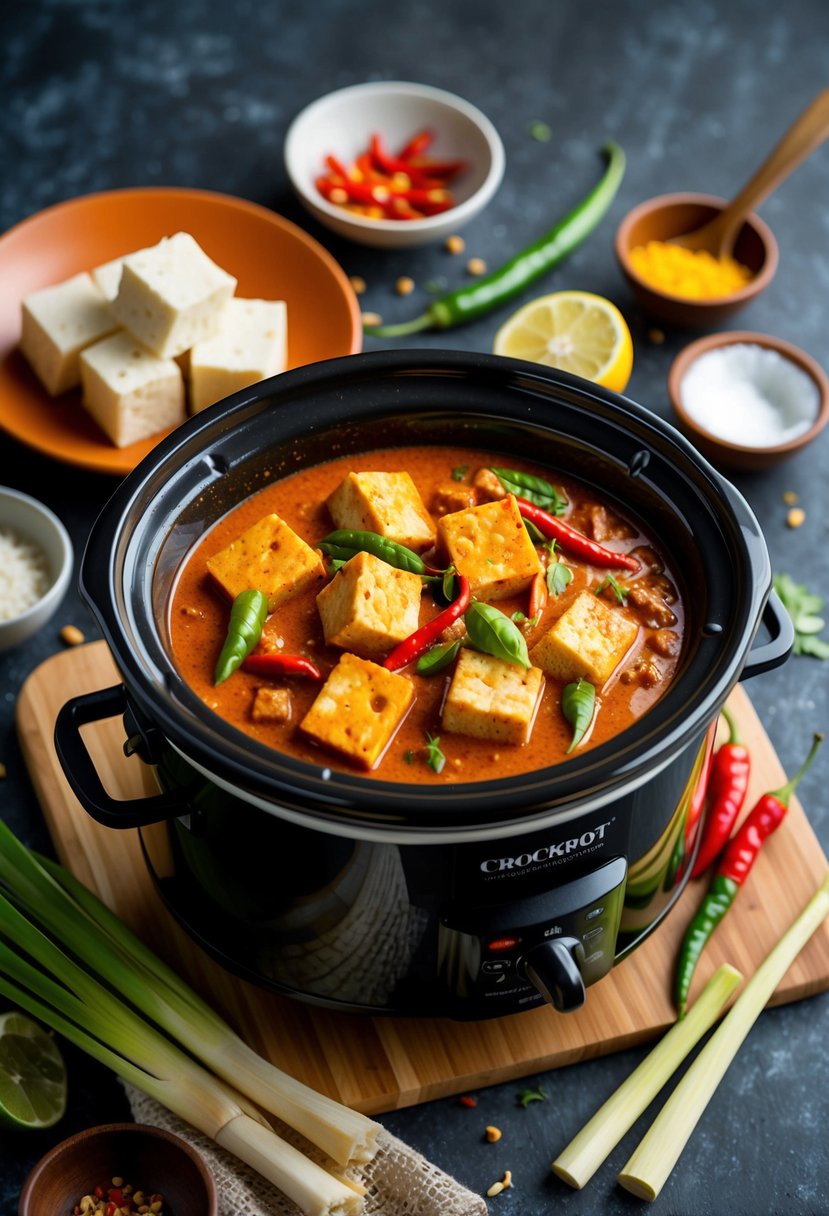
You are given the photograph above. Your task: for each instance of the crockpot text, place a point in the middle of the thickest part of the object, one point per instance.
(546, 852)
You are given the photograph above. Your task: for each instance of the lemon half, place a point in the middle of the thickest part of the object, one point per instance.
(575, 331)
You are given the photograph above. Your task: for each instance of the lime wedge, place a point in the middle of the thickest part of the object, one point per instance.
(32, 1074)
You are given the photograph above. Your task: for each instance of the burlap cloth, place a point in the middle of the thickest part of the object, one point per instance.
(400, 1181)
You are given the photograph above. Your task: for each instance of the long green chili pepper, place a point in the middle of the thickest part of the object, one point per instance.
(492, 632)
(740, 855)
(578, 701)
(469, 302)
(534, 489)
(345, 543)
(244, 629)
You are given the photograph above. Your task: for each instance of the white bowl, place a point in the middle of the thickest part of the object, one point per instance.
(33, 522)
(342, 124)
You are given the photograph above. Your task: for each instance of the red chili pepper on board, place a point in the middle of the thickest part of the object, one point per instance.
(281, 665)
(727, 786)
(574, 542)
(739, 857)
(419, 641)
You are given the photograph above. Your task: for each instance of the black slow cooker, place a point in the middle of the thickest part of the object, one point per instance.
(469, 900)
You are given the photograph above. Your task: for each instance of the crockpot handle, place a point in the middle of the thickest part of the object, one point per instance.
(82, 775)
(774, 652)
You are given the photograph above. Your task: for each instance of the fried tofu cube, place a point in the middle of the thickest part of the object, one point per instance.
(588, 640)
(369, 606)
(270, 558)
(386, 503)
(358, 710)
(489, 698)
(491, 546)
(172, 295)
(271, 705)
(58, 323)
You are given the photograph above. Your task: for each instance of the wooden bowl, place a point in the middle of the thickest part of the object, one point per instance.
(142, 1155)
(723, 452)
(670, 215)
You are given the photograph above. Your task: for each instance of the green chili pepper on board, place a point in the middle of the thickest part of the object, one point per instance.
(578, 702)
(345, 543)
(492, 632)
(244, 629)
(471, 301)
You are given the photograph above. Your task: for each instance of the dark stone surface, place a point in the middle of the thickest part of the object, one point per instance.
(100, 94)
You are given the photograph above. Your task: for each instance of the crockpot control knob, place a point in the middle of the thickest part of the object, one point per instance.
(553, 969)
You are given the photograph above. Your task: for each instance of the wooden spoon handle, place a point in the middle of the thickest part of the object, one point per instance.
(806, 134)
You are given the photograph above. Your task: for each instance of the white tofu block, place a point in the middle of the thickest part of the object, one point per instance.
(172, 295)
(129, 392)
(107, 278)
(58, 323)
(250, 346)
(489, 698)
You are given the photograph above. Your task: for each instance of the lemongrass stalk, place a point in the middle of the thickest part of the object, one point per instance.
(578, 1162)
(647, 1170)
(190, 1092)
(343, 1134)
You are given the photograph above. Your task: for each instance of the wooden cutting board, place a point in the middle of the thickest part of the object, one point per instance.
(378, 1064)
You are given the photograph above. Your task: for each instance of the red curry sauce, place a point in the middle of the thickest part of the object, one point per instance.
(199, 617)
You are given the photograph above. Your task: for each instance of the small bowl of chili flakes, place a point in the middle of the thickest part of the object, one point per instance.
(132, 1167)
(393, 164)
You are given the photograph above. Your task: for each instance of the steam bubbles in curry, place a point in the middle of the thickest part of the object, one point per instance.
(428, 615)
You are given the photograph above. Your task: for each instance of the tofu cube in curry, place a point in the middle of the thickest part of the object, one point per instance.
(369, 606)
(386, 503)
(589, 640)
(491, 546)
(358, 710)
(489, 698)
(271, 705)
(270, 558)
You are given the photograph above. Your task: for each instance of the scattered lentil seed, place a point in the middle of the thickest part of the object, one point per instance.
(372, 318)
(404, 285)
(795, 517)
(455, 244)
(358, 284)
(495, 1189)
(72, 635)
(493, 1134)
(656, 336)
(789, 497)
(476, 266)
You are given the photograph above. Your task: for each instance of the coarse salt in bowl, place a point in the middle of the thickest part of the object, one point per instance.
(748, 400)
(35, 565)
(342, 123)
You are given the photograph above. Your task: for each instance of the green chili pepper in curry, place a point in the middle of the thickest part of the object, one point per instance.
(247, 616)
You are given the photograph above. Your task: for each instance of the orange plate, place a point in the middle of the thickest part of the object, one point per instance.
(270, 257)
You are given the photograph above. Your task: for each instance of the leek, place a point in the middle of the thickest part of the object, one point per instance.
(657, 1154)
(68, 961)
(578, 1162)
(49, 895)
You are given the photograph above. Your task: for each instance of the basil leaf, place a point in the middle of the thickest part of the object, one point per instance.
(434, 756)
(578, 702)
(460, 472)
(437, 657)
(491, 632)
(559, 576)
(535, 489)
(804, 607)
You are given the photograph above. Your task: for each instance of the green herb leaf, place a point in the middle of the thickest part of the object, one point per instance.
(536, 535)
(804, 607)
(521, 618)
(492, 632)
(541, 131)
(559, 576)
(436, 658)
(434, 756)
(620, 592)
(526, 1096)
(460, 472)
(578, 702)
(535, 489)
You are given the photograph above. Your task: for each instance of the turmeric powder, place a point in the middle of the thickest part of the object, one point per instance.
(692, 274)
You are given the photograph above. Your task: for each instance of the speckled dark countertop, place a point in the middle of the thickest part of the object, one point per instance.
(100, 94)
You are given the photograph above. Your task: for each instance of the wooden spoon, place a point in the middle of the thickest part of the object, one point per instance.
(806, 134)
